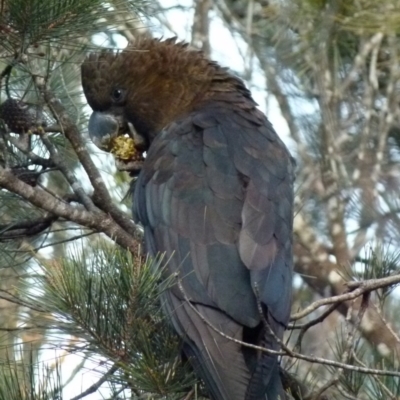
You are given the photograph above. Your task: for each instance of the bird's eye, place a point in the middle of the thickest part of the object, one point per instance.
(118, 95)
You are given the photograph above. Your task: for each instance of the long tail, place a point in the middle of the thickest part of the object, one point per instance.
(265, 382)
(221, 362)
(217, 360)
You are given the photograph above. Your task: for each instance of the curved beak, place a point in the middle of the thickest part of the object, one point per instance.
(102, 128)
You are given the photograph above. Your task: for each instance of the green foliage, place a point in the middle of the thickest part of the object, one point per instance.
(380, 262)
(31, 22)
(111, 300)
(19, 381)
(353, 382)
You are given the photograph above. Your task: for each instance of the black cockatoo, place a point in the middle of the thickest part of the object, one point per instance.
(215, 193)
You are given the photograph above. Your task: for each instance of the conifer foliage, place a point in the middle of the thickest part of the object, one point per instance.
(73, 279)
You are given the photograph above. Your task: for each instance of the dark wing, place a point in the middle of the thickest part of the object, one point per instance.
(215, 194)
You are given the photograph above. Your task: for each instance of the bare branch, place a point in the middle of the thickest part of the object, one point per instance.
(200, 28)
(26, 228)
(98, 221)
(101, 195)
(93, 388)
(356, 289)
(359, 62)
(286, 351)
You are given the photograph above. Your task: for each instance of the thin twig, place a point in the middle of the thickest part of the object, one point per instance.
(286, 351)
(68, 174)
(27, 227)
(357, 289)
(304, 327)
(97, 385)
(359, 61)
(101, 195)
(98, 221)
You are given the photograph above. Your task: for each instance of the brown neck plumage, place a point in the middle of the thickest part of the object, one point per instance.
(170, 80)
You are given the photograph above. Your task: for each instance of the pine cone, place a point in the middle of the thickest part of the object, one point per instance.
(19, 117)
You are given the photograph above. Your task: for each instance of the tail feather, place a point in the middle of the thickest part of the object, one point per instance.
(218, 360)
(265, 382)
(265, 379)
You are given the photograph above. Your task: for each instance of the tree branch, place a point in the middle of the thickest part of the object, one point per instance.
(356, 289)
(98, 221)
(101, 195)
(286, 351)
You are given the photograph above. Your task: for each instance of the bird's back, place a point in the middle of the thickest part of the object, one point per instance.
(215, 194)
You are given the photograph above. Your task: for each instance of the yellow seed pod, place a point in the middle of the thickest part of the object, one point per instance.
(123, 148)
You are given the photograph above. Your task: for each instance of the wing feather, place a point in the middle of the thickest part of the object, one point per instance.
(215, 194)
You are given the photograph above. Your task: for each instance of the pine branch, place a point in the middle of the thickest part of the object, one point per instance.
(93, 388)
(26, 228)
(98, 221)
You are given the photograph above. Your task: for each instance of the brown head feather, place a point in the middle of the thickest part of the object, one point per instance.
(161, 80)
